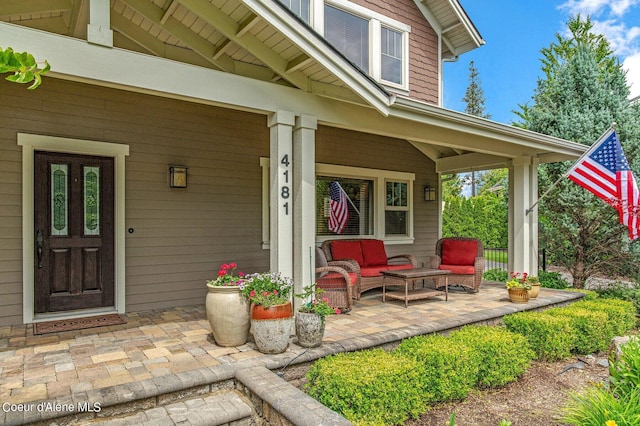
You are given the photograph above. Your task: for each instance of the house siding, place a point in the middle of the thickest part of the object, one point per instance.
(423, 47)
(180, 236)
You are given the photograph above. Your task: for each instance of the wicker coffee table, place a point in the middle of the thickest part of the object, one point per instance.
(406, 276)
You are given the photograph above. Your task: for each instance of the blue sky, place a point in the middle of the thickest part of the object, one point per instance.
(515, 31)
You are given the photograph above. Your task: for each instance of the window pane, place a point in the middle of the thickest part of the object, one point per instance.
(359, 202)
(91, 200)
(349, 34)
(59, 199)
(397, 194)
(395, 222)
(300, 8)
(391, 59)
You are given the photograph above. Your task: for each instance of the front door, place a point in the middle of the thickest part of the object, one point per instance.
(74, 246)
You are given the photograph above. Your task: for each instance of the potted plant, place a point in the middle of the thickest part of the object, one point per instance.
(535, 286)
(518, 287)
(310, 318)
(271, 313)
(227, 308)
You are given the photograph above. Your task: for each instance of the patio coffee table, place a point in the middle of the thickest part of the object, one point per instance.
(405, 276)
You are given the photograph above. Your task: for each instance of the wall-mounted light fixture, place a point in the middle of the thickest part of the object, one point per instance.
(429, 193)
(177, 176)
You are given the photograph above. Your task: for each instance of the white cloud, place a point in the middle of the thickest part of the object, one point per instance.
(632, 65)
(596, 7)
(623, 40)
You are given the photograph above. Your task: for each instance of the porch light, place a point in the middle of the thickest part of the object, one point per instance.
(177, 176)
(429, 193)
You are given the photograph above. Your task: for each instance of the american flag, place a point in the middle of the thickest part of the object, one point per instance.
(339, 214)
(604, 170)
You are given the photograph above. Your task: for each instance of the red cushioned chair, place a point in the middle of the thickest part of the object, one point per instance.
(338, 280)
(464, 257)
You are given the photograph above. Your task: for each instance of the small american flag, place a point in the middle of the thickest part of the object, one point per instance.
(339, 214)
(604, 170)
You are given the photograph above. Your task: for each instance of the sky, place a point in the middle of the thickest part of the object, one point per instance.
(515, 31)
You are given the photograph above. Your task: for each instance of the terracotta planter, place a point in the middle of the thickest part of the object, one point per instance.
(535, 289)
(271, 327)
(518, 295)
(228, 315)
(309, 329)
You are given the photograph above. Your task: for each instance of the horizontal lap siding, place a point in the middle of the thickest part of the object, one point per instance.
(343, 147)
(181, 236)
(423, 46)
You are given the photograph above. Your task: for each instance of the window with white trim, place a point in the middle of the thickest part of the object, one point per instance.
(377, 44)
(379, 203)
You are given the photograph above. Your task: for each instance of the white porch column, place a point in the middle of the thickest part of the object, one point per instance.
(281, 203)
(304, 202)
(523, 227)
(99, 27)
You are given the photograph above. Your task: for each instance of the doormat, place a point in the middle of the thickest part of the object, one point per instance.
(77, 324)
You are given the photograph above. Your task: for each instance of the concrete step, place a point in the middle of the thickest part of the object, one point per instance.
(225, 407)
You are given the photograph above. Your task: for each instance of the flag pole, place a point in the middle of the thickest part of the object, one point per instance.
(347, 195)
(565, 174)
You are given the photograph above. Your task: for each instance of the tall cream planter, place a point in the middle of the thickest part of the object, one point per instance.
(228, 315)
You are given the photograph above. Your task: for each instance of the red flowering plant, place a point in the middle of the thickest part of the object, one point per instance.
(519, 280)
(316, 305)
(226, 277)
(267, 289)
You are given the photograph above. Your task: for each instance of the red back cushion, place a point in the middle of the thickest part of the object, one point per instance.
(459, 252)
(347, 250)
(373, 252)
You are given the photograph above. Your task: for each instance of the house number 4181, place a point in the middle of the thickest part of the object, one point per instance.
(285, 190)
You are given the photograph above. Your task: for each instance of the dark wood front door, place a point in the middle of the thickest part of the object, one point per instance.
(74, 250)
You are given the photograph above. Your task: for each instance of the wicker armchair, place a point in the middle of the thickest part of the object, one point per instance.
(464, 257)
(338, 280)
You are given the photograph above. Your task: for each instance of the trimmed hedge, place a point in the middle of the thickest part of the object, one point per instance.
(590, 333)
(621, 313)
(450, 367)
(550, 337)
(502, 355)
(371, 387)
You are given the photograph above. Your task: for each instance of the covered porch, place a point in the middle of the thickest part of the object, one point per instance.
(163, 359)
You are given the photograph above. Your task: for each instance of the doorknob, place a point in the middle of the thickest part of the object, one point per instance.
(40, 246)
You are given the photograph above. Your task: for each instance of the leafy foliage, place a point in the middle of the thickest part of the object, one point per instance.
(584, 91)
(552, 280)
(483, 217)
(550, 337)
(589, 334)
(495, 274)
(23, 66)
(622, 292)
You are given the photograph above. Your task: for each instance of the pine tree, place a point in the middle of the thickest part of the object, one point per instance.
(474, 95)
(584, 91)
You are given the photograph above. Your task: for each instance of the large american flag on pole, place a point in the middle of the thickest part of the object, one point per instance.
(604, 170)
(339, 210)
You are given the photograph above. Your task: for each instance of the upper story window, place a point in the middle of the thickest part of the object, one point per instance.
(377, 44)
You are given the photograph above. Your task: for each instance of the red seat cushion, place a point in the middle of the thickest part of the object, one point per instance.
(347, 250)
(373, 252)
(459, 252)
(371, 271)
(459, 269)
(335, 280)
(397, 267)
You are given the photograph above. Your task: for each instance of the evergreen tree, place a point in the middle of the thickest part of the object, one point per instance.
(474, 95)
(584, 91)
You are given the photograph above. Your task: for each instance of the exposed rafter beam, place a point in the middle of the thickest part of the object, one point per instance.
(184, 34)
(167, 14)
(222, 47)
(298, 62)
(451, 27)
(137, 35)
(427, 150)
(471, 161)
(25, 7)
(227, 26)
(79, 19)
(247, 23)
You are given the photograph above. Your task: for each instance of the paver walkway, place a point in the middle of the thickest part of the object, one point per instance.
(164, 342)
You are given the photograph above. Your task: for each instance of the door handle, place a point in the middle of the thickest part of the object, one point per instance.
(40, 246)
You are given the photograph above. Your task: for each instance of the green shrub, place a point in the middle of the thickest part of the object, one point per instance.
(552, 280)
(623, 292)
(588, 294)
(502, 355)
(549, 336)
(589, 333)
(621, 314)
(370, 387)
(495, 274)
(624, 374)
(450, 368)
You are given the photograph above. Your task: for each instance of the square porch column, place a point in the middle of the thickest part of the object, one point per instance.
(99, 28)
(281, 189)
(304, 203)
(523, 227)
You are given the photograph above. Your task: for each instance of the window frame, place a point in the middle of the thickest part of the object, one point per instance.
(378, 176)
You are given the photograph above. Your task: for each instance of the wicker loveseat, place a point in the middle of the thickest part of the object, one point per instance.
(464, 257)
(370, 257)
